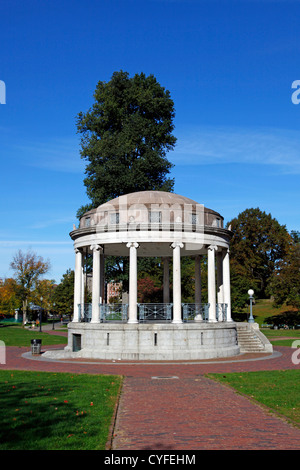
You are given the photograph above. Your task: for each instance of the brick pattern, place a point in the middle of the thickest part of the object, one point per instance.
(189, 412)
(195, 414)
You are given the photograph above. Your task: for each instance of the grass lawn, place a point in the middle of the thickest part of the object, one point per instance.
(19, 336)
(263, 308)
(278, 390)
(49, 411)
(281, 337)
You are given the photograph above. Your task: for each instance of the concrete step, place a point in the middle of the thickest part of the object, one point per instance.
(249, 340)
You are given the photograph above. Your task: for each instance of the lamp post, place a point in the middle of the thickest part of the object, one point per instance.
(250, 293)
(41, 314)
(53, 316)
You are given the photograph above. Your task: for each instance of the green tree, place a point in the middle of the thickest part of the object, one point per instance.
(285, 281)
(64, 294)
(125, 137)
(258, 246)
(43, 294)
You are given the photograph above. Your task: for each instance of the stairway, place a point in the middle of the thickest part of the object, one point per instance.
(251, 339)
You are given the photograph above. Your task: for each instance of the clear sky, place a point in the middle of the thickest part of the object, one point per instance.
(229, 66)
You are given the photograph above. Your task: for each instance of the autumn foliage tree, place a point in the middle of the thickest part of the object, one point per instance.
(28, 268)
(9, 301)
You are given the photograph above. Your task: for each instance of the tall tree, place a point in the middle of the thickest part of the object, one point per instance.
(125, 137)
(28, 268)
(258, 245)
(64, 293)
(285, 281)
(43, 294)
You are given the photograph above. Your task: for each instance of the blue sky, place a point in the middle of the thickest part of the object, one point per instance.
(229, 66)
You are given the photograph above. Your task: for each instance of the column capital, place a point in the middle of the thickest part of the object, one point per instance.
(78, 250)
(212, 247)
(176, 245)
(96, 247)
(132, 245)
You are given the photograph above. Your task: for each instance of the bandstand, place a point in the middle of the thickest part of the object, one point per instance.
(153, 224)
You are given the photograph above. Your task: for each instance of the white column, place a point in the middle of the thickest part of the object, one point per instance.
(133, 246)
(166, 294)
(77, 284)
(226, 283)
(198, 279)
(96, 283)
(82, 281)
(176, 282)
(102, 279)
(211, 282)
(220, 287)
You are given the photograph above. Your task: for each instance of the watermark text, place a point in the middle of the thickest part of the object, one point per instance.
(2, 353)
(2, 92)
(296, 354)
(296, 94)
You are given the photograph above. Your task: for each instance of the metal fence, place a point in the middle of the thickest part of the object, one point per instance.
(155, 312)
(152, 312)
(195, 312)
(221, 312)
(85, 312)
(113, 313)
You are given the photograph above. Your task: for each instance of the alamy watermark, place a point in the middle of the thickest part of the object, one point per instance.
(2, 353)
(296, 94)
(2, 92)
(296, 353)
(155, 218)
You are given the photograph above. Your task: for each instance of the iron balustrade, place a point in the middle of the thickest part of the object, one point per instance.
(113, 312)
(85, 312)
(152, 312)
(192, 312)
(221, 312)
(155, 312)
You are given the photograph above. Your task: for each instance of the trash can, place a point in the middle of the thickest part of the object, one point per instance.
(36, 346)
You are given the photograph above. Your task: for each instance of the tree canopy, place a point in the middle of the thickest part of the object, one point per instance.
(258, 246)
(126, 135)
(285, 280)
(28, 268)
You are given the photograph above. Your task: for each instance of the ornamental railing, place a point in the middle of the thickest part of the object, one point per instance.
(195, 312)
(151, 312)
(221, 312)
(155, 312)
(85, 312)
(113, 313)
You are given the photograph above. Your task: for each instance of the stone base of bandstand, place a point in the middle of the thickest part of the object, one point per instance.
(150, 341)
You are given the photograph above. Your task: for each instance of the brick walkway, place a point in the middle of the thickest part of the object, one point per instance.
(167, 406)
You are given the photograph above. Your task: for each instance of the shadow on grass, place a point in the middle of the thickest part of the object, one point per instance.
(53, 414)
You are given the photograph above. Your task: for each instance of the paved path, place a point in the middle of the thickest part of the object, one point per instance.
(173, 406)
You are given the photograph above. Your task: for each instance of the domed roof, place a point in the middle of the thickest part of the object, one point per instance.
(149, 197)
(131, 206)
(154, 218)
